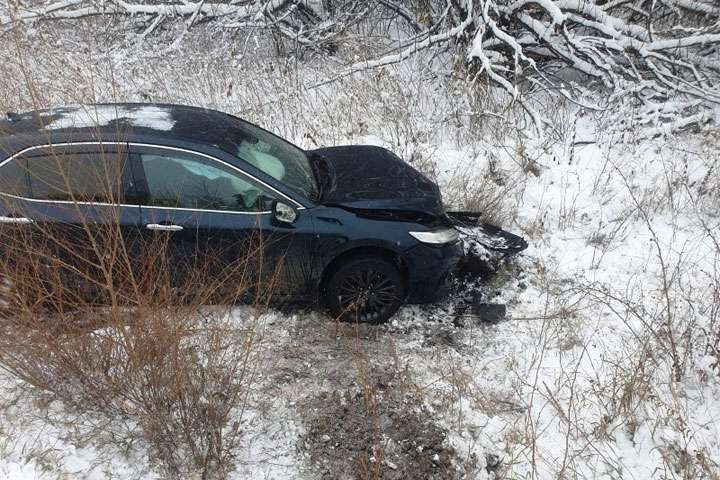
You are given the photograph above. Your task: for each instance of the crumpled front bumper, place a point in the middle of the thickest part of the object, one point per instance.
(429, 267)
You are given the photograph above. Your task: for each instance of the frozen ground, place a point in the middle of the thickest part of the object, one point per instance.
(606, 368)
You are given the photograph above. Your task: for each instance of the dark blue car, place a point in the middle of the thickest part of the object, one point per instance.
(353, 225)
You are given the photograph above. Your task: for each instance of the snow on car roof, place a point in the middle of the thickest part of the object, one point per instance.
(161, 121)
(147, 116)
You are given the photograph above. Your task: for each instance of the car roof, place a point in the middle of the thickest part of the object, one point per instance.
(198, 129)
(164, 123)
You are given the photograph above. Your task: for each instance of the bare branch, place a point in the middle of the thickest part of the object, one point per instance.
(565, 47)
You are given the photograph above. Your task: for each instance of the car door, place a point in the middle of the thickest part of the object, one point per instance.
(214, 224)
(69, 212)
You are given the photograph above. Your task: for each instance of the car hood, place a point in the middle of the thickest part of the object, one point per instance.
(368, 177)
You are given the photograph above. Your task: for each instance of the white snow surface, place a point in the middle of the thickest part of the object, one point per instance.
(147, 116)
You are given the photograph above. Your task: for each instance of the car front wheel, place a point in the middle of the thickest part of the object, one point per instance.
(366, 290)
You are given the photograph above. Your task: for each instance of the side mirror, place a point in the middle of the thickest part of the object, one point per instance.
(283, 212)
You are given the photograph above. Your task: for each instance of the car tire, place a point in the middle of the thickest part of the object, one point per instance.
(365, 290)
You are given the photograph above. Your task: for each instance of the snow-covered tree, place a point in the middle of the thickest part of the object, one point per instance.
(659, 51)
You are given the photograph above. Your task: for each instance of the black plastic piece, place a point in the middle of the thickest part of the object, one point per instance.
(489, 312)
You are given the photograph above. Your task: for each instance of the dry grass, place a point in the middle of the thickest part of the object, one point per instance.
(113, 320)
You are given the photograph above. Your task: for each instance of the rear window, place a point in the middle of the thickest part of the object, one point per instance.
(81, 177)
(13, 179)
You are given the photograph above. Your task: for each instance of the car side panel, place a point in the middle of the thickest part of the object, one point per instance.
(233, 249)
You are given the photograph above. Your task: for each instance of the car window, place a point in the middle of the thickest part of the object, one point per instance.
(82, 177)
(181, 181)
(13, 179)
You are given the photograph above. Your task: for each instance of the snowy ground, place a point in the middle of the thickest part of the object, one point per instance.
(578, 382)
(607, 366)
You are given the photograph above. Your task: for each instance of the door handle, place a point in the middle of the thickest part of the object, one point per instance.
(166, 228)
(16, 220)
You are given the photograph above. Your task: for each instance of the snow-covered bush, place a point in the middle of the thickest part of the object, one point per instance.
(663, 53)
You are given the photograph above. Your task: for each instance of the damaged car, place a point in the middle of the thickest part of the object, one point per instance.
(354, 226)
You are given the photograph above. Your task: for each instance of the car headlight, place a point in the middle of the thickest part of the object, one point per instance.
(437, 237)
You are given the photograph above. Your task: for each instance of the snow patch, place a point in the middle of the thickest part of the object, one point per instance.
(145, 116)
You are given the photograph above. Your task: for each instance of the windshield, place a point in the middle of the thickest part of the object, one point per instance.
(272, 155)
